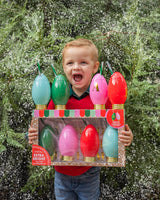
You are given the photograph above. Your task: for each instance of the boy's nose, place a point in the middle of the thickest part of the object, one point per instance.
(76, 66)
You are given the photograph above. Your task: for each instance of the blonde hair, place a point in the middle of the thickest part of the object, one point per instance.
(81, 43)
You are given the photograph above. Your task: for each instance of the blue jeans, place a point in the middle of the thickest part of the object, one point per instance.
(83, 187)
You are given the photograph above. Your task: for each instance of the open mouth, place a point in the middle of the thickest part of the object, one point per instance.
(77, 77)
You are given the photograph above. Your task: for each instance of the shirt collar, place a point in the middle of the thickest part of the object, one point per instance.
(72, 93)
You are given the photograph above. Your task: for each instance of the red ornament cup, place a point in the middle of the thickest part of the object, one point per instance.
(117, 90)
(89, 143)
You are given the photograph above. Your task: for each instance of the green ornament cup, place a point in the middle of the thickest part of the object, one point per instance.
(60, 92)
(48, 140)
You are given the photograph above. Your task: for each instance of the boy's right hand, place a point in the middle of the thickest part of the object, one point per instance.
(32, 134)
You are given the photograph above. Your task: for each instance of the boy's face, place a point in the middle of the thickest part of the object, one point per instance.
(79, 66)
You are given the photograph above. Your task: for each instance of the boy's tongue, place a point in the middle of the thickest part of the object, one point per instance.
(77, 77)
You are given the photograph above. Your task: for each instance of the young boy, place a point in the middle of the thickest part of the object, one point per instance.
(80, 62)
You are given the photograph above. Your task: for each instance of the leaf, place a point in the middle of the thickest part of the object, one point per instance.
(2, 137)
(14, 143)
(2, 148)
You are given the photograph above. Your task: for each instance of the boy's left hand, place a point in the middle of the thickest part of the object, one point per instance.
(126, 136)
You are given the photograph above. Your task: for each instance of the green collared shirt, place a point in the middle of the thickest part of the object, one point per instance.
(72, 93)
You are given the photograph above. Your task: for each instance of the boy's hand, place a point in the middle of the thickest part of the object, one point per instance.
(126, 136)
(32, 134)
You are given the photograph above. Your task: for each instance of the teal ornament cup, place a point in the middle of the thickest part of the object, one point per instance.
(41, 91)
(110, 144)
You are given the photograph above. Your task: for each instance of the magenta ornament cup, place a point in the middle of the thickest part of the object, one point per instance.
(98, 91)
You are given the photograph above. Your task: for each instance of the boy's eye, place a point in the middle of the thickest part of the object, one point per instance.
(83, 62)
(69, 63)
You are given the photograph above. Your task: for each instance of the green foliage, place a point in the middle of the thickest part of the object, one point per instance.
(40, 177)
(127, 35)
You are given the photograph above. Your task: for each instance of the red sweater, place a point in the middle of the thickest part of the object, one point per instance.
(73, 103)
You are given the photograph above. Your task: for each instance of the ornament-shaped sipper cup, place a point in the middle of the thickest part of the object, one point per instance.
(41, 91)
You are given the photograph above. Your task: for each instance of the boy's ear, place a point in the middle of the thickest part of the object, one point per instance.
(96, 65)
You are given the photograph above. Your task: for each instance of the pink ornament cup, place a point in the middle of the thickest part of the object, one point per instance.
(98, 91)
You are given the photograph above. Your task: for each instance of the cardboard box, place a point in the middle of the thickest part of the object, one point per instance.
(58, 119)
